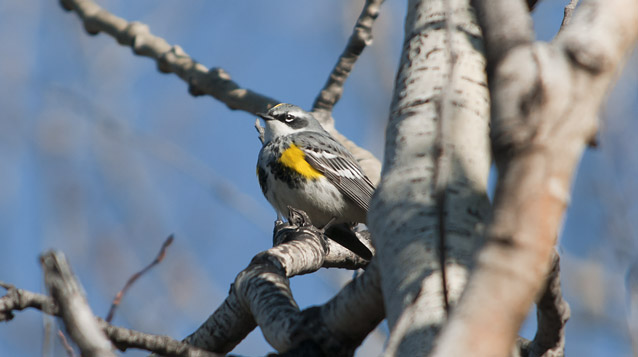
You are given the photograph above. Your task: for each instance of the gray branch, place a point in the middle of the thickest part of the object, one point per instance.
(261, 296)
(74, 310)
(538, 138)
(360, 38)
(427, 214)
(215, 82)
(18, 299)
(170, 59)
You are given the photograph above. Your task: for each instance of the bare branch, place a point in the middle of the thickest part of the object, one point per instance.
(552, 314)
(215, 82)
(360, 38)
(538, 139)
(78, 318)
(170, 59)
(425, 190)
(122, 338)
(261, 294)
(18, 299)
(65, 343)
(351, 314)
(118, 297)
(506, 24)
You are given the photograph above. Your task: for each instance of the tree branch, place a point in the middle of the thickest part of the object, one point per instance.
(78, 318)
(17, 300)
(545, 100)
(503, 29)
(123, 338)
(215, 82)
(552, 313)
(360, 38)
(261, 294)
(435, 173)
(170, 59)
(118, 297)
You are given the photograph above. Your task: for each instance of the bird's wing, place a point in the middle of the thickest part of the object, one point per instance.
(338, 165)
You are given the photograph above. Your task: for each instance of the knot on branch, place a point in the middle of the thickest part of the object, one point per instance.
(133, 35)
(165, 61)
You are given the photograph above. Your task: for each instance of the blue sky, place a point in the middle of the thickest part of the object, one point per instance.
(103, 157)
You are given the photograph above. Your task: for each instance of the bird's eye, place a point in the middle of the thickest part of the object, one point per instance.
(289, 117)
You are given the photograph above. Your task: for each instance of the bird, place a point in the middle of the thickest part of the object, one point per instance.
(302, 166)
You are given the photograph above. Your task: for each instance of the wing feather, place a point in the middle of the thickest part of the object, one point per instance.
(333, 160)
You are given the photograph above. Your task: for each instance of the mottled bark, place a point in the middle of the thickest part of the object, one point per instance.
(431, 203)
(545, 100)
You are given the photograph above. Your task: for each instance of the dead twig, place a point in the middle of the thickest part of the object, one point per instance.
(118, 297)
(360, 38)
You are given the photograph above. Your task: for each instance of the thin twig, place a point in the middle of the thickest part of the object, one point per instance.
(118, 297)
(360, 38)
(47, 343)
(65, 344)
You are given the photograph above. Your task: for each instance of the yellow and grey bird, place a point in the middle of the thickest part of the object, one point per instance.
(302, 166)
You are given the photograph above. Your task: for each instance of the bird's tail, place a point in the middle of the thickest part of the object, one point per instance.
(344, 235)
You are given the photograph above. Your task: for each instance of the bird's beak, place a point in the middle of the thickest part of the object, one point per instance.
(265, 116)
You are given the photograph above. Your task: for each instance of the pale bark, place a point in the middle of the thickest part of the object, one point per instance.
(123, 338)
(426, 160)
(261, 297)
(74, 310)
(545, 100)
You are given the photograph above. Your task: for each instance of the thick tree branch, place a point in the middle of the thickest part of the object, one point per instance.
(360, 38)
(504, 29)
(545, 100)
(78, 318)
(435, 174)
(261, 294)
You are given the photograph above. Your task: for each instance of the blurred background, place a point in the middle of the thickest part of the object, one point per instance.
(103, 157)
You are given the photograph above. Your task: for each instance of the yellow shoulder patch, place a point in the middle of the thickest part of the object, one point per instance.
(294, 158)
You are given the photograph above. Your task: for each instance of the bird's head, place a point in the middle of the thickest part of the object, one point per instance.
(284, 119)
